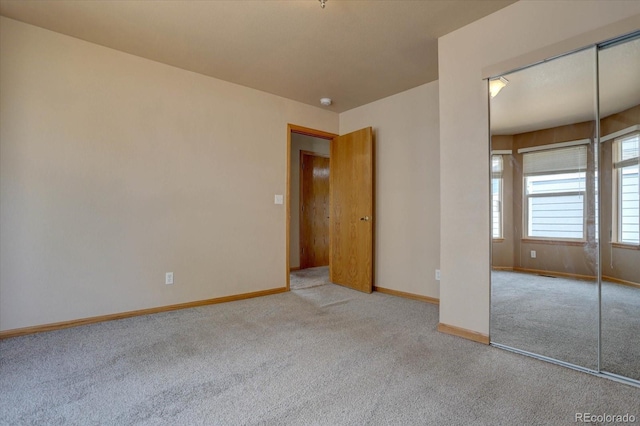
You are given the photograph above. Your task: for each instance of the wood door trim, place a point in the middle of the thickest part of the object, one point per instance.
(407, 295)
(464, 333)
(311, 132)
(292, 128)
(315, 154)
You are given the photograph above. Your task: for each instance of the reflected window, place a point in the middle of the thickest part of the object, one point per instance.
(496, 195)
(627, 188)
(555, 186)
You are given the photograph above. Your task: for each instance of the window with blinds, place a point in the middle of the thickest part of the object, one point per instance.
(555, 192)
(496, 195)
(627, 182)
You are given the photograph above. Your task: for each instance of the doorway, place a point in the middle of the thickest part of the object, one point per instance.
(351, 219)
(314, 144)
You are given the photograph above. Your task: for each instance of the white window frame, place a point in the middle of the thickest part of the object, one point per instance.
(497, 175)
(619, 165)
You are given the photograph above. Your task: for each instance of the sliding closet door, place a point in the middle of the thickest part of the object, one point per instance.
(619, 78)
(544, 291)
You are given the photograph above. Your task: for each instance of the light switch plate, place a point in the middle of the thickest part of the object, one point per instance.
(279, 199)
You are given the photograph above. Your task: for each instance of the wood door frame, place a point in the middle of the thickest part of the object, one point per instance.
(292, 128)
(300, 200)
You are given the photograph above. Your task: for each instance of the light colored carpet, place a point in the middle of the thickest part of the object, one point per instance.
(558, 318)
(309, 277)
(321, 355)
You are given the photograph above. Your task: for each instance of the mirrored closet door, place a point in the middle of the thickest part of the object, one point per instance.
(619, 78)
(545, 258)
(565, 281)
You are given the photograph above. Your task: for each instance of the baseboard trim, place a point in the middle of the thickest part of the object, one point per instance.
(406, 295)
(619, 281)
(294, 268)
(576, 276)
(502, 268)
(464, 333)
(556, 274)
(92, 320)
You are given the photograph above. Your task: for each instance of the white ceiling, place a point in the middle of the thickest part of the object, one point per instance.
(561, 91)
(352, 51)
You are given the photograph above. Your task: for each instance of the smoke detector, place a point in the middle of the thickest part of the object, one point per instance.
(325, 101)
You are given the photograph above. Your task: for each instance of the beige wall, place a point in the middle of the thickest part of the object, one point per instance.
(115, 169)
(407, 232)
(524, 28)
(300, 143)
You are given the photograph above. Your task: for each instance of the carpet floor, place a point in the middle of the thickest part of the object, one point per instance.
(558, 318)
(321, 355)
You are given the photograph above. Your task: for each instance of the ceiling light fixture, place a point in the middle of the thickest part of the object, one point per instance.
(323, 3)
(496, 85)
(325, 101)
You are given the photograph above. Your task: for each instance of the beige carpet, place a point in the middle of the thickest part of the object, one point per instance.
(309, 277)
(322, 355)
(558, 318)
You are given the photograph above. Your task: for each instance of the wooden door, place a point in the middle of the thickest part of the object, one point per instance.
(314, 210)
(351, 218)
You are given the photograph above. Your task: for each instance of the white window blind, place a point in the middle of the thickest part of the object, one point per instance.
(555, 160)
(496, 165)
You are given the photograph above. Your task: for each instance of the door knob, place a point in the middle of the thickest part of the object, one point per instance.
(366, 218)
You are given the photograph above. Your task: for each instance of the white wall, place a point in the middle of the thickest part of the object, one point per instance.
(115, 169)
(520, 29)
(300, 143)
(407, 232)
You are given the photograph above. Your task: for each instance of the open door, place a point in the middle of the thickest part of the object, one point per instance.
(351, 218)
(314, 210)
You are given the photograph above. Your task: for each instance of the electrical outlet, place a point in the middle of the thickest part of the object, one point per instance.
(533, 254)
(168, 278)
(437, 274)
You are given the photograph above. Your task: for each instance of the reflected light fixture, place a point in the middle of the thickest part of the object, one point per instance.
(323, 3)
(496, 85)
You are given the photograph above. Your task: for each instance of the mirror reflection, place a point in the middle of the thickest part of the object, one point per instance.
(545, 256)
(565, 209)
(619, 72)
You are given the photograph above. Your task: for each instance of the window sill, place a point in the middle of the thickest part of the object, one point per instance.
(625, 246)
(498, 240)
(554, 242)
